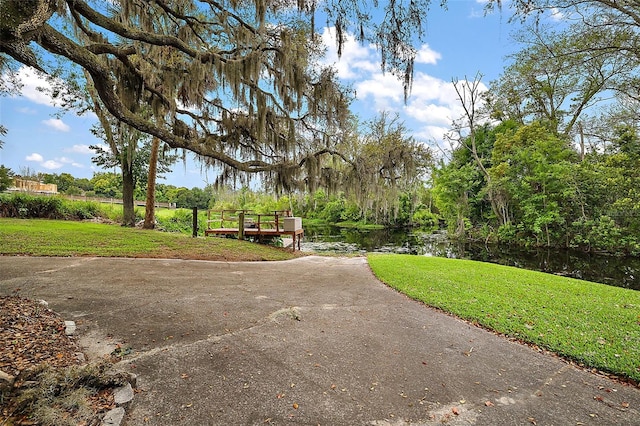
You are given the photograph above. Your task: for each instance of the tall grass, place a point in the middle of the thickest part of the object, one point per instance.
(29, 206)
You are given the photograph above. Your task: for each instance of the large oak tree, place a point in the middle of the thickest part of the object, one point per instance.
(235, 81)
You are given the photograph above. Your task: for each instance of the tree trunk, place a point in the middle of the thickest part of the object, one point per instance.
(149, 214)
(128, 207)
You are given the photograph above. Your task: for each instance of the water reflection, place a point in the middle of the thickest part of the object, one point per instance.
(617, 271)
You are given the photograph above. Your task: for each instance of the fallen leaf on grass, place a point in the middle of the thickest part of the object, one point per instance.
(625, 404)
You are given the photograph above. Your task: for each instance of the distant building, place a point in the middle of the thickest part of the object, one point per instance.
(23, 185)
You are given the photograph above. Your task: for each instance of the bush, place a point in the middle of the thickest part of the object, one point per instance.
(82, 210)
(28, 206)
(182, 221)
(425, 219)
(332, 212)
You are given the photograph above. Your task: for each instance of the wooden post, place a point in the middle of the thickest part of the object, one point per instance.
(195, 222)
(241, 225)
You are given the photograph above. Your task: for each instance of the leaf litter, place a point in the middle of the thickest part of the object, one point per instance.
(52, 385)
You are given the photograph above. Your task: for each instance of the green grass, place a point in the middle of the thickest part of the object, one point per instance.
(593, 324)
(41, 237)
(358, 225)
(165, 213)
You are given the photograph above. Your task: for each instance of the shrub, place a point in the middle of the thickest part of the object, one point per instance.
(31, 206)
(82, 210)
(425, 219)
(182, 221)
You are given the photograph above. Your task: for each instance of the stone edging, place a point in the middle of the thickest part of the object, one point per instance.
(122, 396)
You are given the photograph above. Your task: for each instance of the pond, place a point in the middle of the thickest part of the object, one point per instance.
(611, 270)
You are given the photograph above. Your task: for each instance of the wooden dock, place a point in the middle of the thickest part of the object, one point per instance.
(244, 223)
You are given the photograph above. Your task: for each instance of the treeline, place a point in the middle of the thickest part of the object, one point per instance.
(109, 185)
(524, 184)
(411, 206)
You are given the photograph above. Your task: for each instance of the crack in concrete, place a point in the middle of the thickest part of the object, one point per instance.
(81, 261)
(291, 312)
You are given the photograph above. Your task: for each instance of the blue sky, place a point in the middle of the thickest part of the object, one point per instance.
(460, 42)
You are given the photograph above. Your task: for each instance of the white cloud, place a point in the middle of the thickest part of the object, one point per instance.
(51, 165)
(427, 56)
(426, 87)
(35, 86)
(431, 133)
(71, 161)
(34, 157)
(57, 124)
(430, 113)
(356, 58)
(432, 105)
(386, 90)
(54, 164)
(80, 149)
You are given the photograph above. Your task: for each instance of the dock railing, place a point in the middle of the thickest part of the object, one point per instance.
(247, 223)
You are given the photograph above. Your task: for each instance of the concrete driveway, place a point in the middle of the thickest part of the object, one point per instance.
(311, 341)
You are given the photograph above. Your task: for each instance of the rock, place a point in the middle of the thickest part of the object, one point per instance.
(123, 395)
(113, 417)
(70, 327)
(43, 303)
(133, 379)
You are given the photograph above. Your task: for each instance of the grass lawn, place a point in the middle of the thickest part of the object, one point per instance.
(40, 237)
(593, 324)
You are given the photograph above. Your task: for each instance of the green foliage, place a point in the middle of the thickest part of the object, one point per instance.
(351, 213)
(548, 196)
(333, 210)
(189, 198)
(593, 324)
(181, 220)
(602, 233)
(6, 178)
(453, 186)
(27, 206)
(81, 210)
(107, 185)
(425, 219)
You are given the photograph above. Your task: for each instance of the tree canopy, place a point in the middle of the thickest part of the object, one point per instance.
(237, 82)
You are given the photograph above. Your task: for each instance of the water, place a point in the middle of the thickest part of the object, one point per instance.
(611, 270)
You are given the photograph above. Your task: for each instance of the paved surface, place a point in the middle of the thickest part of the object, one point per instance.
(309, 341)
